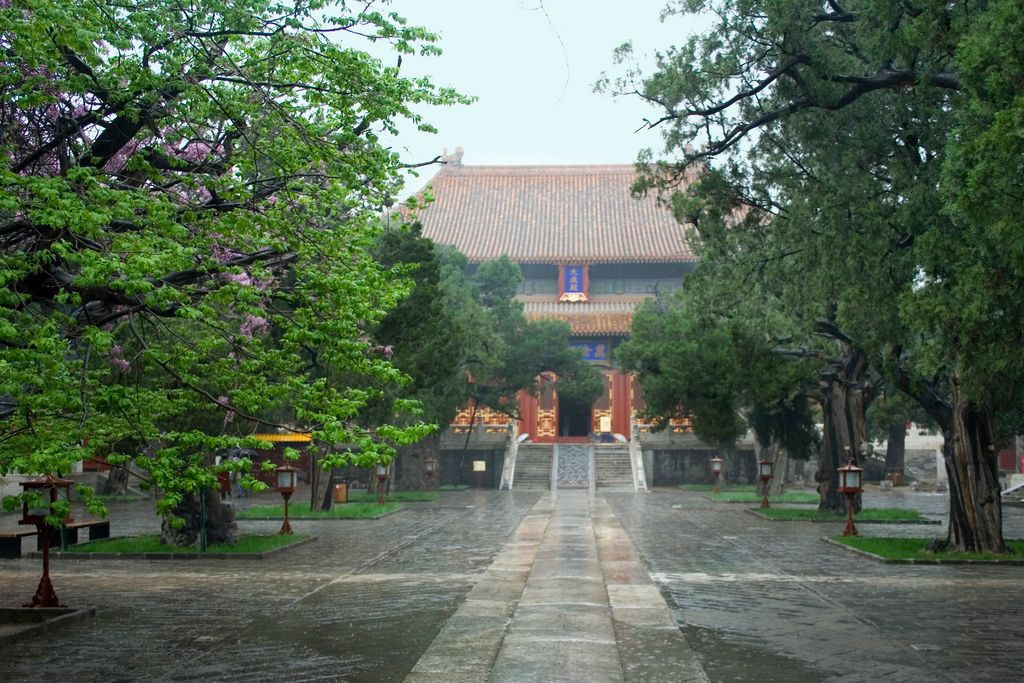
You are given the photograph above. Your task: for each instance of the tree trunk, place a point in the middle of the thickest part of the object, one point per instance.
(780, 460)
(220, 523)
(320, 498)
(844, 401)
(975, 508)
(117, 481)
(896, 449)
(730, 463)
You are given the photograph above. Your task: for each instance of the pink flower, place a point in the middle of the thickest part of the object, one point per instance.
(117, 359)
(239, 278)
(253, 324)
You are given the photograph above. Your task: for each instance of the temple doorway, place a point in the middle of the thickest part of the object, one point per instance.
(573, 417)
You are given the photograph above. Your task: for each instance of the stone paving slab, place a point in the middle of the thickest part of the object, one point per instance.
(770, 602)
(587, 612)
(742, 600)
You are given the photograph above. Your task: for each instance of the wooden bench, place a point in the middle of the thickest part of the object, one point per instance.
(98, 528)
(10, 543)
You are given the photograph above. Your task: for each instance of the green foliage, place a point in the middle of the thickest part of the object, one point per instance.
(800, 497)
(152, 544)
(915, 549)
(891, 515)
(186, 232)
(346, 511)
(502, 353)
(420, 335)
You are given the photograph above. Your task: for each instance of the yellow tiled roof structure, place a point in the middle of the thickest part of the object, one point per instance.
(551, 214)
(586, 319)
(300, 437)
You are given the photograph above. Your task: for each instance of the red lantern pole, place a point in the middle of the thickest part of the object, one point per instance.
(850, 483)
(286, 487)
(47, 486)
(765, 471)
(382, 477)
(286, 528)
(45, 595)
(716, 470)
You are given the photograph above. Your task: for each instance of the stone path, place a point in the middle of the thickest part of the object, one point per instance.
(567, 600)
(534, 586)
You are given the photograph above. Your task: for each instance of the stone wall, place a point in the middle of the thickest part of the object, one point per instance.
(456, 467)
(671, 467)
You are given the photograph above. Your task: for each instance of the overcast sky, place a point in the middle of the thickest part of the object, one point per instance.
(533, 66)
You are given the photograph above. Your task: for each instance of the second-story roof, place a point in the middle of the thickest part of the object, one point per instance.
(550, 214)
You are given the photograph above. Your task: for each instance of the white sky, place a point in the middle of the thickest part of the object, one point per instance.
(534, 73)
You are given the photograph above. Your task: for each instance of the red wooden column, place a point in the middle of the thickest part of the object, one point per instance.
(528, 409)
(621, 402)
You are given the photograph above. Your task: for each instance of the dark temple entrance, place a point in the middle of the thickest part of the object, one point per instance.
(573, 417)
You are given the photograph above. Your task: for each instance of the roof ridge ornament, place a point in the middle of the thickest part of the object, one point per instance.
(453, 160)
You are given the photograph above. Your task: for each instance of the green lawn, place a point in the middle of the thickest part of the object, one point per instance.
(914, 549)
(738, 488)
(867, 515)
(343, 511)
(119, 498)
(743, 497)
(151, 544)
(453, 487)
(397, 496)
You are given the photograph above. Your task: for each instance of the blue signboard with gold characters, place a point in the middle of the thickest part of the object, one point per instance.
(574, 282)
(592, 350)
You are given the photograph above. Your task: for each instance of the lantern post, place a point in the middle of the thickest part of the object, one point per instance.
(382, 479)
(286, 487)
(764, 470)
(430, 469)
(36, 514)
(716, 472)
(851, 479)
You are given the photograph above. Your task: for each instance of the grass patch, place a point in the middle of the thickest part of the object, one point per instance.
(914, 549)
(744, 497)
(151, 544)
(737, 488)
(868, 515)
(453, 487)
(343, 511)
(396, 496)
(119, 498)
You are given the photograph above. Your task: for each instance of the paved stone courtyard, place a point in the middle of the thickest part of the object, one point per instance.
(529, 586)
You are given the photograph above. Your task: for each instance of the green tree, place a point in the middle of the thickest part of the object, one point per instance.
(856, 137)
(521, 349)
(188, 204)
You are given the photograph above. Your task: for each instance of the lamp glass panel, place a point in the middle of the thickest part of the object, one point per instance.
(285, 479)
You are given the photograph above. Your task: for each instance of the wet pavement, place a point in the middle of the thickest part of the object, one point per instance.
(528, 586)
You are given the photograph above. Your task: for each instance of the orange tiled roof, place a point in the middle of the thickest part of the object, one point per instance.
(585, 319)
(285, 438)
(551, 214)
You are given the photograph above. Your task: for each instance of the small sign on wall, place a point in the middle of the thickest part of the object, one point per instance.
(479, 465)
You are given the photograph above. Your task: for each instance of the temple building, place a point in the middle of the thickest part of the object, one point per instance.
(589, 251)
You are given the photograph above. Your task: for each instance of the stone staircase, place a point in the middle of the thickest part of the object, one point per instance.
(533, 466)
(612, 469)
